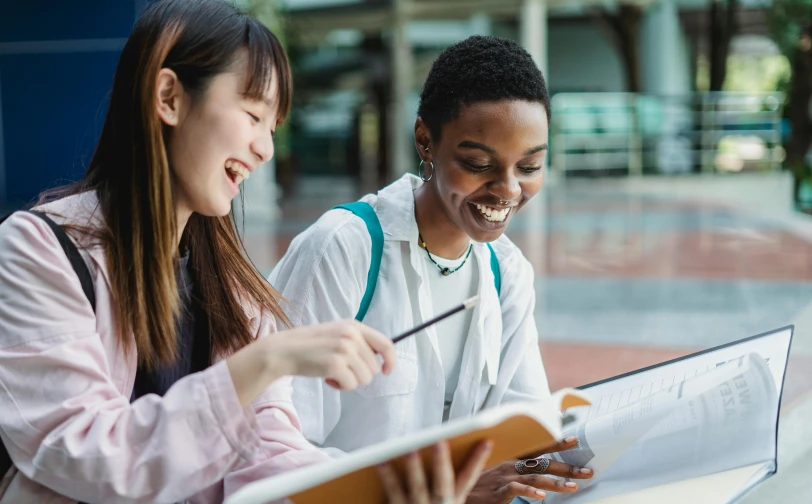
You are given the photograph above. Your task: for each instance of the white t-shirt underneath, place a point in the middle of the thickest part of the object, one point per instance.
(446, 293)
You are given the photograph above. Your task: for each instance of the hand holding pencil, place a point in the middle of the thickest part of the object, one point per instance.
(361, 368)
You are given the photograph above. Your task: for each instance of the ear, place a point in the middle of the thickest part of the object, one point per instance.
(422, 140)
(168, 94)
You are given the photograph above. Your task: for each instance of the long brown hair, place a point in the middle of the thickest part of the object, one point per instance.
(129, 171)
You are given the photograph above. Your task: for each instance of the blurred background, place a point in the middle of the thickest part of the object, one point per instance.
(673, 216)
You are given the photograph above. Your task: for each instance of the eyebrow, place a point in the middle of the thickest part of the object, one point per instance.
(537, 148)
(468, 144)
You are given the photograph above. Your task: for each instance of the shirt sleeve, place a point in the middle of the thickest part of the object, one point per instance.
(323, 276)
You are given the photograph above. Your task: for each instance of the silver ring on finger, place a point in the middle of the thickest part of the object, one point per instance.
(532, 466)
(443, 500)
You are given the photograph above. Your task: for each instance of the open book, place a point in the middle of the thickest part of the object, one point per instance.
(515, 429)
(702, 428)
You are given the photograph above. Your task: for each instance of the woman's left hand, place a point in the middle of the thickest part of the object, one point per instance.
(501, 483)
(447, 487)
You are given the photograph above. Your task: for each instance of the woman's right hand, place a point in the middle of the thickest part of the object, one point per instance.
(343, 352)
(447, 487)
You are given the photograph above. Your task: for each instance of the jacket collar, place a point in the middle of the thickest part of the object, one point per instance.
(83, 210)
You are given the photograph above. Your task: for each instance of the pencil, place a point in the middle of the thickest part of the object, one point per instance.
(466, 305)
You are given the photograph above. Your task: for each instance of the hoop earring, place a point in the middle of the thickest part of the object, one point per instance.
(420, 171)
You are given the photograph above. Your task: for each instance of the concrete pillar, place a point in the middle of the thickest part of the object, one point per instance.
(533, 31)
(256, 214)
(664, 55)
(533, 37)
(666, 74)
(261, 194)
(402, 75)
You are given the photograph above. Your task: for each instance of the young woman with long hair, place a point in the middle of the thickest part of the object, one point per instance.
(159, 374)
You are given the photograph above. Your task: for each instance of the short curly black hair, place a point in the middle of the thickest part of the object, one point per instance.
(479, 69)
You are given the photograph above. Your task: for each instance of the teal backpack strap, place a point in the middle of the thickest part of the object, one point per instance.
(364, 211)
(497, 275)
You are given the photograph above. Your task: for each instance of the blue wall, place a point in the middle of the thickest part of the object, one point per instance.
(57, 60)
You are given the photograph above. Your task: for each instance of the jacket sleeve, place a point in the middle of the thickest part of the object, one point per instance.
(68, 427)
(323, 275)
(282, 445)
(521, 373)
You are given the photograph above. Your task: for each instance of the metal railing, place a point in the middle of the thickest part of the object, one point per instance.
(643, 133)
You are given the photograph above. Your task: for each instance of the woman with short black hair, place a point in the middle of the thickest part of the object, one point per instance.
(424, 244)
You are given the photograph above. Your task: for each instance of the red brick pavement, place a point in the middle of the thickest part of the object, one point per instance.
(764, 255)
(737, 254)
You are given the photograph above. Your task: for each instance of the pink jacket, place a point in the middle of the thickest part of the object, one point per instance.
(65, 415)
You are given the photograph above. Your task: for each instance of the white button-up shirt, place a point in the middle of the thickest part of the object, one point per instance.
(324, 276)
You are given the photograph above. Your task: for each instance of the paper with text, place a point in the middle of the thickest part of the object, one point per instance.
(711, 412)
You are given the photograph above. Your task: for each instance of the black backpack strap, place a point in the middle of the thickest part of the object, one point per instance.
(80, 267)
(76, 261)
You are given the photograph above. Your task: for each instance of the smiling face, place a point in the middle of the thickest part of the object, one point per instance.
(217, 140)
(488, 163)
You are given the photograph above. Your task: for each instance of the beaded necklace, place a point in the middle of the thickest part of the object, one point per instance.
(445, 271)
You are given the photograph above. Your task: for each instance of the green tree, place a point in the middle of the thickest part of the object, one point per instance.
(791, 26)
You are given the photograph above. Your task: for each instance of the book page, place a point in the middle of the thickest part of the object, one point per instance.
(714, 488)
(610, 395)
(704, 414)
(715, 421)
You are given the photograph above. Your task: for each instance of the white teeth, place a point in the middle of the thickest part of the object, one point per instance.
(237, 168)
(492, 214)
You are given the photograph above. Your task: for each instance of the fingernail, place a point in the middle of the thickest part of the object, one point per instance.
(585, 470)
(541, 494)
(570, 484)
(571, 439)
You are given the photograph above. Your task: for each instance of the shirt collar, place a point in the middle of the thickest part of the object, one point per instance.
(395, 208)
